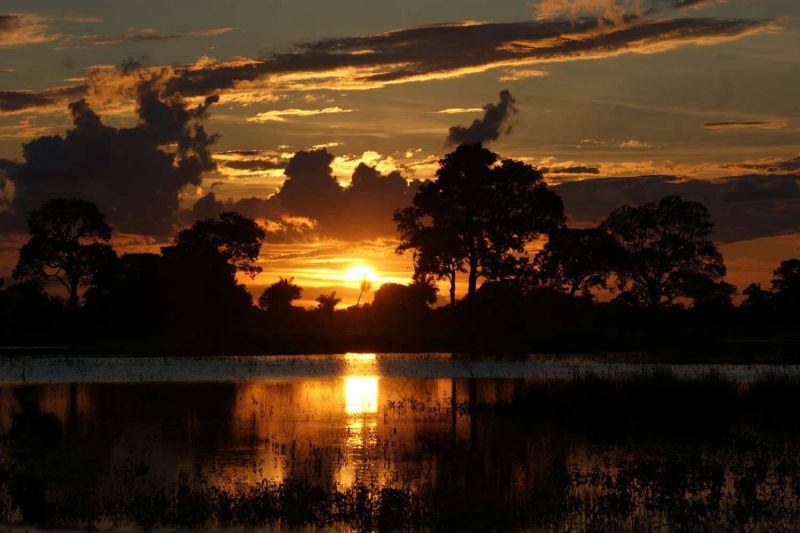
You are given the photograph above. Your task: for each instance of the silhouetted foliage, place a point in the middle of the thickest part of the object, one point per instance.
(575, 260)
(786, 284)
(664, 251)
(68, 245)
(400, 299)
(477, 216)
(278, 297)
(235, 238)
(327, 302)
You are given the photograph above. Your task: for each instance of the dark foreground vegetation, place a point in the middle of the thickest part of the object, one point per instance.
(480, 217)
(649, 453)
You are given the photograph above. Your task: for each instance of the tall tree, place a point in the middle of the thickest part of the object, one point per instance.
(476, 216)
(664, 248)
(68, 245)
(576, 260)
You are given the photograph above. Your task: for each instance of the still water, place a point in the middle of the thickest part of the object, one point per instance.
(431, 443)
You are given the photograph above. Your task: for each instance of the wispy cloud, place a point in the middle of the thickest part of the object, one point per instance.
(523, 74)
(17, 29)
(150, 34)
(744, 124)
(279, 115)
(458, 110)
(634, 143)
(414, 54)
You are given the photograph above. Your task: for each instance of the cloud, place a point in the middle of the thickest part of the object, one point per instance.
(612, 10)
(523, 74)
(742, 207)
(312, 202)
(278, 115)
(633, 143)
(250, 160)
(134, 175)
(56, 99)
(459, 110)
(734, 124)
(17, 29)
(490, 127)
(578, 169)
(772, 165)
(412, 54)
(149, 34)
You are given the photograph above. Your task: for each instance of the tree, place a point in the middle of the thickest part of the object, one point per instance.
(68, 245)
(663, 250)
(436, 252)
(327, 302)
(404, 299)
(366, 286)
(235, 238)
(575, 260)
(476, 216)
(786, 283)
(279, 296)
(755, 296)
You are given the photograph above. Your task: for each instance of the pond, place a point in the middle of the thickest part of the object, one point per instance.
(379, 441)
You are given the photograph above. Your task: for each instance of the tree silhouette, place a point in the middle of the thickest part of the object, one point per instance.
(755, 296)
(436, 252)
(476, 216)
(576, 260)
(404, 299)
(786, 283)
(279, 296)
(366, 286)
(327, 302)
(235, 238)
(664, 250)
(68, 245)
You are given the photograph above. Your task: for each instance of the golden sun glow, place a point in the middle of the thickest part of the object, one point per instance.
(359, 272)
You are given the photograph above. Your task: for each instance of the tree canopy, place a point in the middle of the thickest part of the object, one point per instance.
(476, 216)
(664, 251)
(279, 296)
(68, 245)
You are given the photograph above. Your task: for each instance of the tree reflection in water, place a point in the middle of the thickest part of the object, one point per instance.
(370, 452)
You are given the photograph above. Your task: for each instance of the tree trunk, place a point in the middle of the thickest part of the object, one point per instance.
(473, 277)
(73, 295)
(453, 289)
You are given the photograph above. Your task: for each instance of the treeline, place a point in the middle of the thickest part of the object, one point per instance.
(479, 216)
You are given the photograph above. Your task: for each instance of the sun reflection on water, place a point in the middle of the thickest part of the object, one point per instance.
(361, 394)
(361, 404)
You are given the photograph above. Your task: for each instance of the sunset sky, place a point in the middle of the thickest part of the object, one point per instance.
(616, 101)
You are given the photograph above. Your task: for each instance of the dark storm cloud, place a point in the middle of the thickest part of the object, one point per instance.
(423, 53)
(362, 210)
(742, 207)
(128, 172)
(490, 127)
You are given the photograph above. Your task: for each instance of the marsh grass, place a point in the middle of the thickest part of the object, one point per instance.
(659, 453)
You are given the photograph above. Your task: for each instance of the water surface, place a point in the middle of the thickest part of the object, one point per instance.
(529, 442)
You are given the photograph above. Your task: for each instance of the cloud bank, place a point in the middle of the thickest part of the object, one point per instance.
(401, 56)
(135, 175)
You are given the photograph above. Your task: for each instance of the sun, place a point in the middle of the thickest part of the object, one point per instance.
(359, 272)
